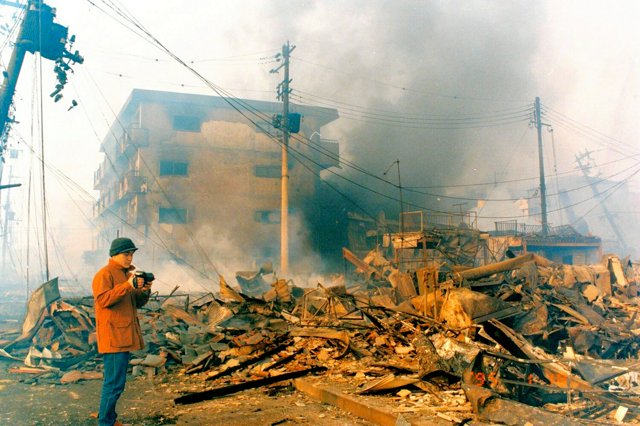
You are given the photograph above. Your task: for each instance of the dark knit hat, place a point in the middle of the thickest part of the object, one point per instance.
(121, 245)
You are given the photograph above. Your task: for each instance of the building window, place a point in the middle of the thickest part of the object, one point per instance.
(173, 168)
(267, 171)
(267, 216)
(166, 215)
(186, 123)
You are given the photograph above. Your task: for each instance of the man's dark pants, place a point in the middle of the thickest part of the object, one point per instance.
(115, 375)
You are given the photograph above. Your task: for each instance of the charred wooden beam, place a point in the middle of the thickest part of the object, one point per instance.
(250, 361)
(505, 265)
(369, 271)
(226, 390)
(283, 360)
(355, 406)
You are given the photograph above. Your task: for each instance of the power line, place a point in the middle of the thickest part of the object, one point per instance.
(402, 88)
(566, 191)
(595, 135)
(63, 178)
(434, 124)
(421, 117)
(496, 182)
(160, 241)
(613, 190)
(234, 102)
(227, 96)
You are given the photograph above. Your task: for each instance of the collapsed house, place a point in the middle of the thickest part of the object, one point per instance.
(517, 341)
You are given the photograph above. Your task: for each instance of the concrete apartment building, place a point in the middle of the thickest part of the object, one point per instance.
(200, 176)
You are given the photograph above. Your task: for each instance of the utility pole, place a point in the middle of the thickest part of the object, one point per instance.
(584, 168)
(5, 228)
(38, 34)
(401, 221)
(283, 94)
(9, 88)
(543, 186)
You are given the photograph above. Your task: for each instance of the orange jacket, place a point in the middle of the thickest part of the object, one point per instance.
(116, 303)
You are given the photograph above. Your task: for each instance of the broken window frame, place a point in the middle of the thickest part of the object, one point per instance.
(173, 168)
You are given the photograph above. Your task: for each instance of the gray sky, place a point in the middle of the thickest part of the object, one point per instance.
(382, 59)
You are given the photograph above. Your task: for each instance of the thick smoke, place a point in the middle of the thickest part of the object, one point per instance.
(425, 59)
(415, 58)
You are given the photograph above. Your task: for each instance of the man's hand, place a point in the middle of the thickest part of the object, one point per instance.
(136, 282)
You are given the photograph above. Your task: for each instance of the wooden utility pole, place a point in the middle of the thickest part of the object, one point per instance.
(401, 216)
(543, 186)
(283, 94)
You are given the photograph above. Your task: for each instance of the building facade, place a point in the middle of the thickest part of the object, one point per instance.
(199, 177)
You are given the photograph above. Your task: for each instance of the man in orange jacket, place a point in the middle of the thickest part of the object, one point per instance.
(117, 294)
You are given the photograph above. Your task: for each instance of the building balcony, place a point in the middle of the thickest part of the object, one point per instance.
(132, 140)
(130, 184)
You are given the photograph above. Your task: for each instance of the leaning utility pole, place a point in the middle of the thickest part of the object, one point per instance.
(283, 94)
(38, 34)
(584, 167)
(543, 187)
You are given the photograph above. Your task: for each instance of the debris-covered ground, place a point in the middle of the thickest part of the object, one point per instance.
(149, 401)
(522, 341)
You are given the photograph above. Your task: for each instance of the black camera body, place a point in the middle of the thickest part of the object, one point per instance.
(146, 276)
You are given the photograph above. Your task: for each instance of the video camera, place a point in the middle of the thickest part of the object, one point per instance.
(146, 276)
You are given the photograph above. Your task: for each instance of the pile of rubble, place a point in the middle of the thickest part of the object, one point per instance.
(520, 340)
(55, 335)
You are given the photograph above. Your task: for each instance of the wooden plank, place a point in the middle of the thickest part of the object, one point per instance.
(191, 398)
(357, 407)
(505, 265)
(368, 270)
(577, 315)
(250, 361)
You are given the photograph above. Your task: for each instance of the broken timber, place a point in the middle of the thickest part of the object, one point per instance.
(226, 390)
(368, 270)
(249, 361)
(506, 265)
(375, 415)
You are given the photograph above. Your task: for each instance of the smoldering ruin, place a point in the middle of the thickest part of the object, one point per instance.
(385, 243)
(521, 341)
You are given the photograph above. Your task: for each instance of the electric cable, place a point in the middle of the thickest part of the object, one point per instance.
(405, 89)
(213, 87)
(436, 118)
(586, 128)
(496, 182)
(595, 135)
(157, 239)
(433, 124)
